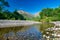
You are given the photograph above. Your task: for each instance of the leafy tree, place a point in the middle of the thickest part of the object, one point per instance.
(3, 4)
(18, 16)
(54, 13)
(46, 12)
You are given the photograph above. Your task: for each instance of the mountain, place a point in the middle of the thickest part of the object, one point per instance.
(36, 14)
(26, 15)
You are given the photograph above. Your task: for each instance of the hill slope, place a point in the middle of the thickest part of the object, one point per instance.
(26, 15)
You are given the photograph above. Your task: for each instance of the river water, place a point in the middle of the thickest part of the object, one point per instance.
(31, 34)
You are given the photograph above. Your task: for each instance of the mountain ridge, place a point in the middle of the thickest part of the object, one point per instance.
(26, 14)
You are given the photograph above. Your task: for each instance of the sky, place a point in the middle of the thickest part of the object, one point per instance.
(32, 6)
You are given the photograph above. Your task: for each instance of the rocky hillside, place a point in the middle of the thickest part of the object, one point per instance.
(26, 15)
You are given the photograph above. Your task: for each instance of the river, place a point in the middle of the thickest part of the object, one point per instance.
(30, 34)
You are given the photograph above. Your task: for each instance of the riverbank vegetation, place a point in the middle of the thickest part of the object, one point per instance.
(46, 13)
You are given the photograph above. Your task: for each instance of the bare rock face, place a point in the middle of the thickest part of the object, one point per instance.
(36, 14)
(26, 14)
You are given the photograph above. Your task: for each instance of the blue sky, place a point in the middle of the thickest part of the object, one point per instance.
(32, 6)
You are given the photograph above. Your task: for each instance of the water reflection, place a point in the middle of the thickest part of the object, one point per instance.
(30, 34)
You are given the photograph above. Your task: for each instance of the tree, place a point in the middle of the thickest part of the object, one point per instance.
(54, 13)
(46, 12)
(3, 5)
(18, 16)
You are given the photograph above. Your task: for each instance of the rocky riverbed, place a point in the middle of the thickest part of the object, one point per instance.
(30, 34)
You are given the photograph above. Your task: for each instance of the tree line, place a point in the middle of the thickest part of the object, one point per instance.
(5, 14)
(50, 13)
(46, 13)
